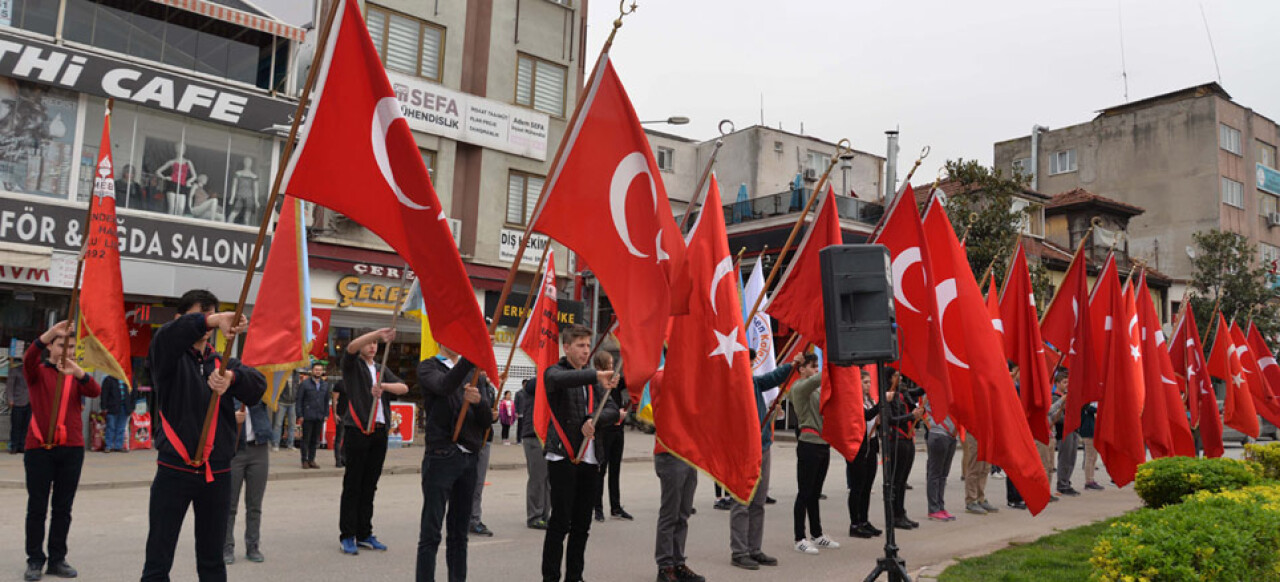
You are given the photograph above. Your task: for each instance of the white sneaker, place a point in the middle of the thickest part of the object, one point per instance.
(826, 543)
(804, 547)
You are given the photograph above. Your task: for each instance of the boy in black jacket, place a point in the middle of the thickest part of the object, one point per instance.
(449, 467)
(573, 394)
(185, 371)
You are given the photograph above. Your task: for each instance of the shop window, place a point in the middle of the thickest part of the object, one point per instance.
(35, 15)
(37, 131)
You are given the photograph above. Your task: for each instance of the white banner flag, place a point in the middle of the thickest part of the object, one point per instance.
(760, 329)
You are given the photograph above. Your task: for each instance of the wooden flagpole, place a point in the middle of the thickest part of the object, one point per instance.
(386, 350)
(595, 417)
(842, 146)
(303, 100)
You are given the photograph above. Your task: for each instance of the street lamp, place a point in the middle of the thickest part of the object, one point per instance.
(673, 120)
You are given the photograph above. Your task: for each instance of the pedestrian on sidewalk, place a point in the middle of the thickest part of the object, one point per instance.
(185, 372)
(249, 470)
(861, 471)
(115, 403)
(537, 489)
(313, 406)
(813, 455)
(904, 413)
(573, 392)
(477, 525)
(678, 482)
(449, 467)
(365, 441)
(1088, 419)
(507, 416)
(284, 420)
(609, 443)
(19, 406)
(746, 521)
(53, 455)
(1067, 443)
(940, 441)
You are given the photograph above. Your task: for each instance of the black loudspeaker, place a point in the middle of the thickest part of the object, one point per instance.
(857, 297)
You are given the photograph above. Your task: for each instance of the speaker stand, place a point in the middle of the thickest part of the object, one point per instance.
(890, 563)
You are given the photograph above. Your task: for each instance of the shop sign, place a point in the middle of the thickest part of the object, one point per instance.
(352, 291)
(433, 109)
(61, 227)
(380, 271)
(86, 72)
(61, 273)
(1268, 179)
(510, 244)
(570, 311)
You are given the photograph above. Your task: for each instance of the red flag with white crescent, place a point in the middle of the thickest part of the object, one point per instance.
(1224, 364)
(540, 340)
(1187, 355)
(1268, 402)
(1163, 410)
(1024, 346)
(276, 342)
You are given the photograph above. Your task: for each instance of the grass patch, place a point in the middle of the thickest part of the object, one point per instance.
(1061, 557)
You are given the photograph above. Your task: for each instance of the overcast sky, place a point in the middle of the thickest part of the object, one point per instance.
(957, 76)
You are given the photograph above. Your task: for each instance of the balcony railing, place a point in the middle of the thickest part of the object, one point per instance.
(793, 201)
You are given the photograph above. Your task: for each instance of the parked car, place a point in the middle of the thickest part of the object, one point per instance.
(1265, 430)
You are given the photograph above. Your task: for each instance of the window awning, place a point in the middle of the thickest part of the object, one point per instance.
(25, 256)
(225, 13)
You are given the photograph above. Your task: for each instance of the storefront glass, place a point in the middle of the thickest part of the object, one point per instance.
(35, 15)
(37, 133)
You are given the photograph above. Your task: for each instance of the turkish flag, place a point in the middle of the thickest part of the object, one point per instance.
(605, 200)
(139, 329)
(1224, 364)
(1265, 363)
(1187, 356)
(540, 340)
(915, 308)
(1024, 345)
(1066, 327)
(1120, 407)
(984, 400)
(843, 422)
(357, 156)
(103, 333)
(1252, 375)
(1164, 419)
(706, 411)
(993, 309)
(798, 299)
(320, 331)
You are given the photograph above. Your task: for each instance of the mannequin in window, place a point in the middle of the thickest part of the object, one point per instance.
(181, 175)
(203, 203)
(245, 202)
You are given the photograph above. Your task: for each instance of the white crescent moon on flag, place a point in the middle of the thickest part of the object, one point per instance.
(722, 269)
(900, 264)
(946, 294)
(386, 112)
(631, 166)
(1266, 361)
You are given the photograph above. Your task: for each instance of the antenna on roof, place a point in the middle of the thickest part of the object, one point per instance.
(1124, 69)
(1212, 50)
(762, 108)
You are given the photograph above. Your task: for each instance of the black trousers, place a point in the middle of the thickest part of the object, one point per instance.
(859, 475)
(448, 482)
(364, 454)
(19, 418)
(812, 461)
(310, 439)
(573, 490)
(53, 471)
(172, 491)
(339, 434)
(1011, 494)
(609, 451)
(904, 456)
(506, 432)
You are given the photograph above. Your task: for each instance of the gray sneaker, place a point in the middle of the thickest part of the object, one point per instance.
(988, 506)
(975, 508)
(229, 555)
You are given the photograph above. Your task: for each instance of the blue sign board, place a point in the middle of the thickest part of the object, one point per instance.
(1268, 179)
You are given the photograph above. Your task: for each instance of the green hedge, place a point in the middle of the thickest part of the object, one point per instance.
(1166, 481)
(1224, 536)
(1268, 456)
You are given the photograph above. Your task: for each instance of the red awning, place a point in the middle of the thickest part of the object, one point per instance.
(238, 17)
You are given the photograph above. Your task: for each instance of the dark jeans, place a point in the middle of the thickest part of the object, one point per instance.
(811, 470)
(903, 451)
(858, 475)
(55, 471)
(448, 480)
(609, 449)
(248, 469)
(573, 490)
(114, 435)
(364, 454)
(1011, 494)
(310, 439)
(172, 491)
(678, 482)
(942, 450)
(19, 418)
(506, 432)
(339, 438)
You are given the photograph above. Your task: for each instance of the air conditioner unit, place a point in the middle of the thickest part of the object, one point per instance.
(455, 227)
(777, 146)
(810, 175)
(1273, 219)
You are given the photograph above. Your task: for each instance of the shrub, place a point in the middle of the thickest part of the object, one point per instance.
(1268, 456)
(1225, 536)
(1161, 482)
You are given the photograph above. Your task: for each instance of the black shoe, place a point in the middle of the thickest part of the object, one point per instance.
(908, 487)
(857, 531)
(228, 555)
(481, 529)
(903, 523)
(684, 574)
(254, 555)
(822, 496)
(693, 510)
(769, 500)
(1069, 492)
(724, 503)
(873, 529)
(621, 513)
(599, 514)
(34, 572)
(1018, 505)
(667, 575)
(764, 559)
(746, 563)
(61, 569)
(538, 524)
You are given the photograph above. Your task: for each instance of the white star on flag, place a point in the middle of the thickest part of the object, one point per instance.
(1135, 352)
(727, 346)
(1237, 379)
